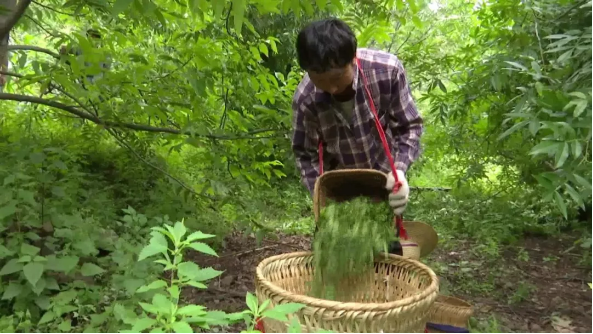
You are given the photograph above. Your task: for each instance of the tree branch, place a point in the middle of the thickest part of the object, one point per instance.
(19, 11)
(52, 9)
(33, 48)
(131, 126)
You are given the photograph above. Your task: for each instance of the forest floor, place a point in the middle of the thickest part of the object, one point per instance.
(535, 287)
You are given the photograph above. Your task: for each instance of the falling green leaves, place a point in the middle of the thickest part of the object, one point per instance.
(350, 234)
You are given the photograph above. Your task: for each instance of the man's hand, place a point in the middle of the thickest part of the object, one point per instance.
(399, 199)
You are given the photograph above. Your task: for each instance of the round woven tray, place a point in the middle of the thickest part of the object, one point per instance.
(451, 311)
(399, 299)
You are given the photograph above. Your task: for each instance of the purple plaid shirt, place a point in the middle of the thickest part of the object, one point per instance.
(355, 143)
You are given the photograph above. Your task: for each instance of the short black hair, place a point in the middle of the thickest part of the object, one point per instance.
(325, 45)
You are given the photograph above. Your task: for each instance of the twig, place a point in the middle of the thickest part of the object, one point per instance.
(41, 26)
(539, 41)
(404, 42)
(237, 254)
(33, 48)
(52, 9)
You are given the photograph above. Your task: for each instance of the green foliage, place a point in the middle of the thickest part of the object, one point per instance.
(350, 236)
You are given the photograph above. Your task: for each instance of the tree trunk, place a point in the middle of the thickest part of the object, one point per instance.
(7, 7)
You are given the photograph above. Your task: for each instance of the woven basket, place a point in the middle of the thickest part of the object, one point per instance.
(399, 299)
(450, 311)
(345, 184)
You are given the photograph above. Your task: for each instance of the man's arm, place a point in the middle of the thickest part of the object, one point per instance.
(305, 141)
(406, 123)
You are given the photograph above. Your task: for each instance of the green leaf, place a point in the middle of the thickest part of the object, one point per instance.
(198, 236)
(120, 5)
(206, 274)
(33, 272)
(4, 252)
(295, 326)
(47, 317)
(238, 13)
(512, 129)
(288, 308)
(10, 267)
(321, 4)
(174, 291)
(581, 180)
(417, 22)
(12, 290)
(218, 8)
(275, 315)
(151, 249)
(51, 283)
(202, 248)
(7, 210)
(25, 259)
(29, 250)
(574, 194)
(564, 57)
(154, 285)
(142, 324)
(197, 285)
(560, 203)
(63, 264)
(263, 49)
(533, 127)
(517, 65)
(251, 301)
(162, 303)
(577, 149)
(545, 147)
(580, 106)
(263, 306)
(91, 269)
(179, 231)
(65, 326)
(181, 327)
(188, 270)
(192, 310)
(578, 95)
(562, 155)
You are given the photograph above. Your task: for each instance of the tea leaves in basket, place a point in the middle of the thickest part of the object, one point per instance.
(350, 235)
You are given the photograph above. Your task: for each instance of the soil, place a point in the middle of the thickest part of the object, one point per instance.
(535, 287)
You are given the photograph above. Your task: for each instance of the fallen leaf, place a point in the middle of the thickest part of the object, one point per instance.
(562, 325)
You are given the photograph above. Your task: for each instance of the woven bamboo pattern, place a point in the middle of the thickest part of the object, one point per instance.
(345, 184)
(450, 311)
(422, 234)
(399, 298)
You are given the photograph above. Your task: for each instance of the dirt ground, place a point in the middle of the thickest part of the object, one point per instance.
(535, 287)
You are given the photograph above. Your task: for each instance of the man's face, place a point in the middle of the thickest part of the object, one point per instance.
(334, 81)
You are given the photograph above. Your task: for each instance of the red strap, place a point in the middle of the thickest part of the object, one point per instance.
(398, 219)
(259, 325)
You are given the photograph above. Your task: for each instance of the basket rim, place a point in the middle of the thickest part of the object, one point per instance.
(349, 306)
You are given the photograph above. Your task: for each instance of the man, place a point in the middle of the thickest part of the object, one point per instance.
(330, 105)
(95, 39)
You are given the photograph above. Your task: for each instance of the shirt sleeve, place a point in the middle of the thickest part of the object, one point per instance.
(305, 141)
(406, 124)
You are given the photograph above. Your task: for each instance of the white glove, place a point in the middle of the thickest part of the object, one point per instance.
(398, 200)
